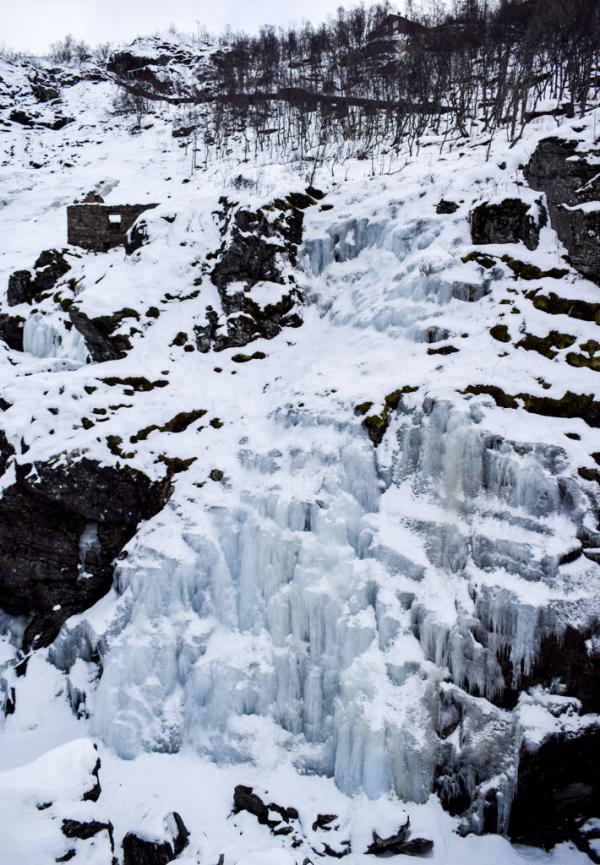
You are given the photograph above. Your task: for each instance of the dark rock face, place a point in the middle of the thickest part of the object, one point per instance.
(507, 222)
(566, 657)
(43, 89)
(97, 333)
(569, 181)
(558, 790)
(25, 287)
(257, 246)
(60, 530)
(136, 68)
(11, 330)
(140, 851)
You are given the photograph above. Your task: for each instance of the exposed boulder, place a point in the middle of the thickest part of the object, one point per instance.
(25, 287)
(244, 799)
(86, 829)
(11, 330)
(510, 221)
(572, 187)
(149, 848)
(446, 207)
(59, 522)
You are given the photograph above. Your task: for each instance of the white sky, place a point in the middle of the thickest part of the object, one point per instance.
(31, 25)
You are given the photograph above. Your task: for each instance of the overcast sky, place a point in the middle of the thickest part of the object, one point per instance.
(31, 25)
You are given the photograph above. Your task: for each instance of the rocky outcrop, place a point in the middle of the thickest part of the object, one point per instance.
(27, 287)
(61, 527)
(558, 790)
(572, 187)
(258, 248)
(510, 221)
(98, 333)
(142, 849)
(11, 330)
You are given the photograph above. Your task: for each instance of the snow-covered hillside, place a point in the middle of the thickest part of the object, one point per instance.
(344, 455)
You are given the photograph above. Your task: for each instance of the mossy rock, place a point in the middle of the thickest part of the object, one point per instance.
(501, 398)
(177, 424)
(546, 345)
(581, 361)
(216, 423)
(555, 305)
(500, 333)
(363, 407)
(570, 405)
(481, 258)
(175, 465)
(522, 270)
(377, 424)
(114, 443)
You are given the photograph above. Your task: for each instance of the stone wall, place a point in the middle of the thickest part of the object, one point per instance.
(100, 227)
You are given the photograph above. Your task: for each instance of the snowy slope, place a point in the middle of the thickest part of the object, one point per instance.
(310, 614)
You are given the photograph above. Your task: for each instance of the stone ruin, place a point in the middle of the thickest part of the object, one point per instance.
(93, 225)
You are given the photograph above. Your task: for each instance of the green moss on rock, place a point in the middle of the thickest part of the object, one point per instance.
(555, 305)
(522, 270)
(177, 424)
(547, 345)
(377, 424)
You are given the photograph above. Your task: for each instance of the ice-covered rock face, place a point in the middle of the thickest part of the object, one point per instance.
(46, 336)
(494, 512)
(334, 610)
